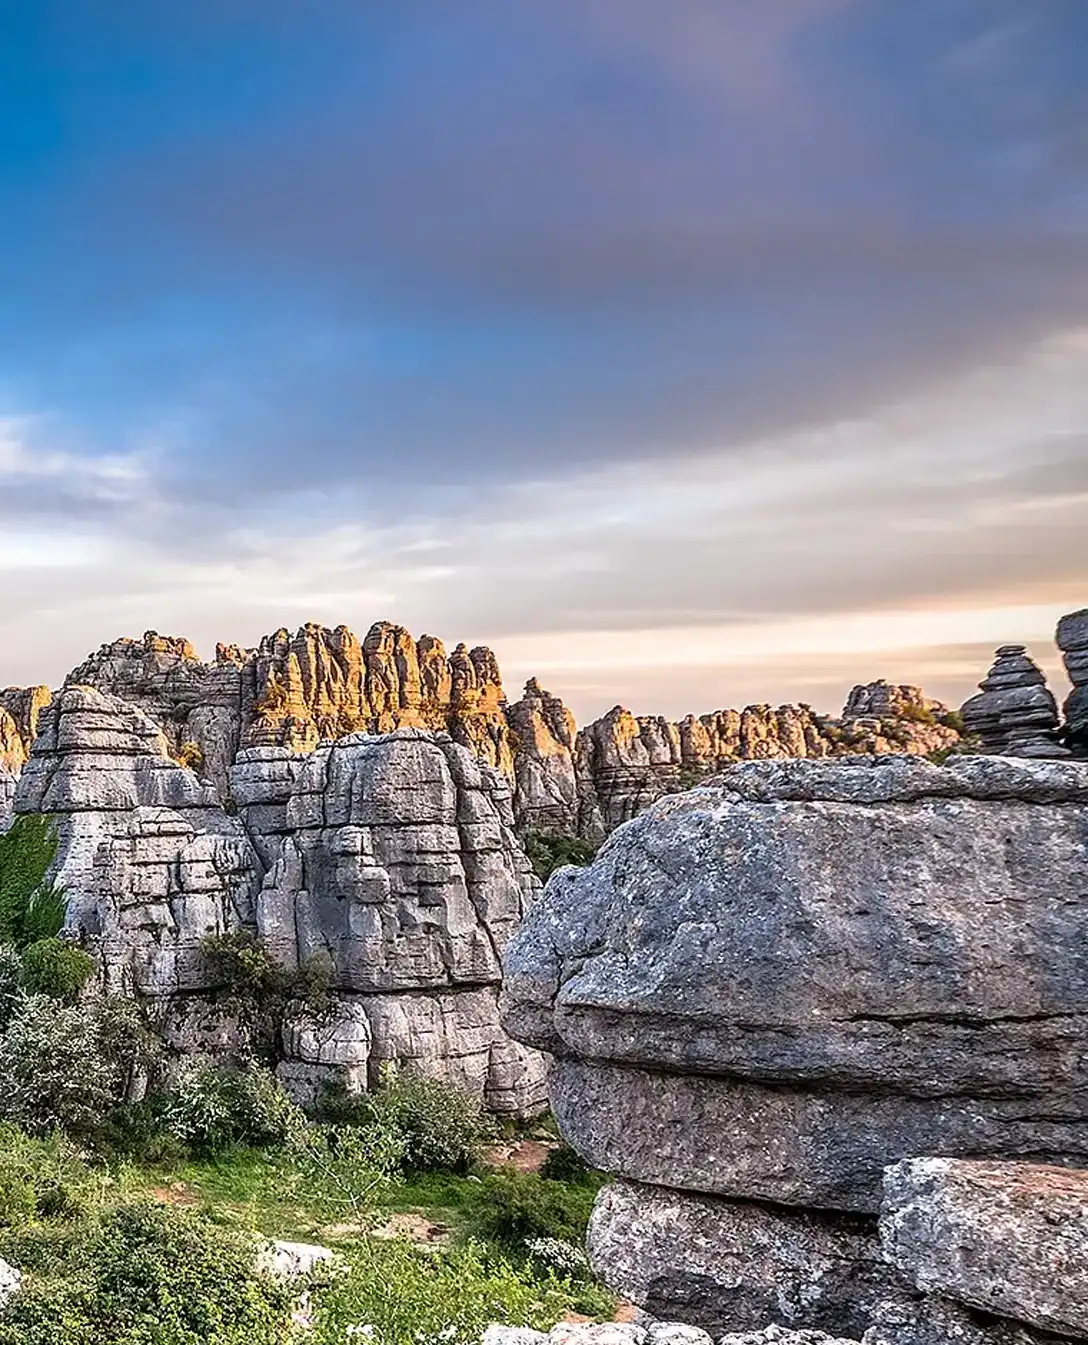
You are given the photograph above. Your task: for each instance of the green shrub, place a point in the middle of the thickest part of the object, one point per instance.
(952, 719)
(411, 1297)
(564, 1164)
(153, 1274)
(514, 1208)
(440, 1128)
(550, 850)
(32, 905)
(213, 1107)
(345, 1168)
(12, 993)
(56, 968)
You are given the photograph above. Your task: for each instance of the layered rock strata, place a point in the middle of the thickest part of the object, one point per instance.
(391, 857)
(1015, 714)
(1072, 640)
(20, 709)
(765, 991)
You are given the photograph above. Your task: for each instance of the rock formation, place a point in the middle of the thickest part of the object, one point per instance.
(1073, 642)
(390, 857)
(1015, 714)
(767, 990)
(546, 788)
(20, 708)
(8, 782)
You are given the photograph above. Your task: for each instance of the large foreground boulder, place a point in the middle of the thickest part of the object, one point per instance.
(774, 986)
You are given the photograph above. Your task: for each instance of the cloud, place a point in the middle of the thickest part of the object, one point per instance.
(769, 568)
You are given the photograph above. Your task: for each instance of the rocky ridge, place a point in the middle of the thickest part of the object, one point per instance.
(390, 858)
(297, 691)
(764, 992)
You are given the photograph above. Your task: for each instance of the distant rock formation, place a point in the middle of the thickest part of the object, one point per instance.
(20, 709)
(390, 857)
(8, 782)
(318, 685)
(1015, 714)
(765, 991)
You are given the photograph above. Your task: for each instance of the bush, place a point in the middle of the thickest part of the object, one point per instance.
(410, 1297)
(564, 1164)
(66, 1067)
(344, 1167)
(515, 1208)
(32, 905)
(191, 754)
(12, 994)
(550, 850)
(440, 1128)
(56, 968)
(214, 1107)
(153, 1274)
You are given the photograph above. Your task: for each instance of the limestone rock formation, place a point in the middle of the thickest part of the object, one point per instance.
(7, 797)
(1015, 714)
(391, 857)
(768, 989)
(20, 708)
(545, 784)
(938, 1321)
(624, 764)
(1073, 642)
(1008, 1239)
(143, 843)
(394, 859)
(196, 706)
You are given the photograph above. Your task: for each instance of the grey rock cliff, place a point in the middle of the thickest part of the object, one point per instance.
(1073, 642)
(392, 857)
(1007, 1239)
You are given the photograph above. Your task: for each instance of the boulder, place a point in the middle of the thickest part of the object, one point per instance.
(1004, 1238)
(732, 1266)
(784, 960)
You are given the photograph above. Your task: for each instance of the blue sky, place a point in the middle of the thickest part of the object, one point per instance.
(634, 338)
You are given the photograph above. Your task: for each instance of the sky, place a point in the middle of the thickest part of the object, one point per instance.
(690, 354)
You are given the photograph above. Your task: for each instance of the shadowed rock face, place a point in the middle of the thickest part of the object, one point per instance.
(773, 986)
(392, 857)
(1073, 642)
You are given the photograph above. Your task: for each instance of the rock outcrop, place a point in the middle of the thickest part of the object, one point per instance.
(1015, 715)
(767, 990)
(7, 797)
(20, 709)
(545, 783)
(1073, 642)
(392, 858)
(624, 764)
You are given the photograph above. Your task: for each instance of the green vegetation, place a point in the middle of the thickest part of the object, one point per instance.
(141, 1222)
(551, 850)
(32, 905)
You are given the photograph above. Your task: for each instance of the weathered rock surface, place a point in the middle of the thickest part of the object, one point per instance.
(776, 1335)
(20, 708)
(744, 963)
(392, 858)
(1008, 1239)
(937, 1321)
(624, 764)
(545, 784)
(7, 798)
(725, 1265)
(1015, 714)
(1073, 642)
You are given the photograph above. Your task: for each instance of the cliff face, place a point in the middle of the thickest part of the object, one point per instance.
(391, 858)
